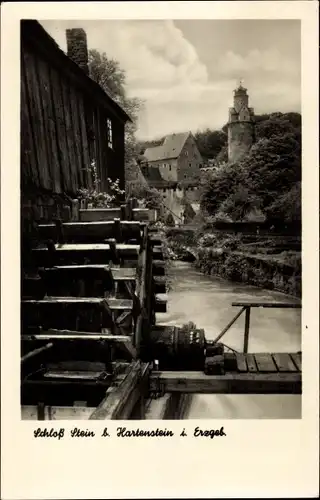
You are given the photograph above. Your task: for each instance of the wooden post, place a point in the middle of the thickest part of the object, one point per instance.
(41, 411)
(75, 211)
(246, 330)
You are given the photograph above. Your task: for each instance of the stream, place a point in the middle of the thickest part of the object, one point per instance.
(206, 300)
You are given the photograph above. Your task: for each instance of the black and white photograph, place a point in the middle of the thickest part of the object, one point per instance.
(159, 249)
(160, 219)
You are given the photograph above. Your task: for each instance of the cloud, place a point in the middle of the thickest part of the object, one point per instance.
(166, 71)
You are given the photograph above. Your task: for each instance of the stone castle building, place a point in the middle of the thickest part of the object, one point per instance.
(240, 126)
(174, 168)
(177, 158)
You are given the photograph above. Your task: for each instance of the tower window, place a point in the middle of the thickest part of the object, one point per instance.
(109, 132)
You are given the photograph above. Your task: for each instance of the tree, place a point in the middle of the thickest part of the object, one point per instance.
(288, 206)
(112, 79)
(240, 203)
(210, 142)
(267, 178)
(220, 186)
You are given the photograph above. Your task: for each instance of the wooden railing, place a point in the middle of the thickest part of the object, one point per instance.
(246, 308)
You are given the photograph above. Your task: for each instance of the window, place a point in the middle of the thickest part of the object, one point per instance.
(189, 164)
(186, 153)
(109, 127)
(169, 167)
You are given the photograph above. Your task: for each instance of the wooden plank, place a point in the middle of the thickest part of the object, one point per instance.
(114, 304)
(36, 118)
(61, 132)
(284, 305)
(296, 358)
(73, 96)
(99, 214)
(156, 239)
(83, 247)
(97, 145)
(230, 383)
(265, 362)
(36, 352)
(158, 268)
(75, 364)
(284, 363)
(50, 124)
(160, 284)
(160, 305)
(126, 394)
(81, 336)
(64, 85)
(29, 412)
(73, 374)
(124, 273)
(241, 362)
(86, 163)
(88, 231)
(157, 253)
(29, 158)
(117, 273)
(252, 367)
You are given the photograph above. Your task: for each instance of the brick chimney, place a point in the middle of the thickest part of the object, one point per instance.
(77, 47)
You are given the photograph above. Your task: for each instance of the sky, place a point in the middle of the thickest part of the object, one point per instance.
(185, 71)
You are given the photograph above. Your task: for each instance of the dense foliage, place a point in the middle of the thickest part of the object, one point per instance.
(268, 179)
(210, 142)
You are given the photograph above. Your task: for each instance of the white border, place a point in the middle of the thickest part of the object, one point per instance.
(258, 458)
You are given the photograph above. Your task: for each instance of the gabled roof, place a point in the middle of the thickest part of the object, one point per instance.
(37, 37)
(171, 147)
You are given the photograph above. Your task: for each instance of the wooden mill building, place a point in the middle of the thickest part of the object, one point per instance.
(67, 122)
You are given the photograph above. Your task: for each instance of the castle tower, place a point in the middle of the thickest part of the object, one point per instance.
(240, 126)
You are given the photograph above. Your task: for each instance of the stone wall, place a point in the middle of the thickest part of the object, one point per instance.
(190, 161)
(240, 140)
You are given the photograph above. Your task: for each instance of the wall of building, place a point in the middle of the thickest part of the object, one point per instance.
(167, 169)
(240, 140)
(174, 200)
(190, 161)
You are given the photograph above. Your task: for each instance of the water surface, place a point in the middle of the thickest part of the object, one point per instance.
(206, 301)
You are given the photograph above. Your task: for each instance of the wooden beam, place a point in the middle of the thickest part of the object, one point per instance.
(73, 374)
(120, 401)
(230, 383)
(158, 268)
(74, 335)
(160, 284)
(285, 305)
(114, 304)
(86, 231)
(284, 362)
(161, 305)
(123, 249)
(36, 352)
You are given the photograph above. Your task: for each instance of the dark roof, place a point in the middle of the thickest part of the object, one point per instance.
(171, 147)
(36, 36)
